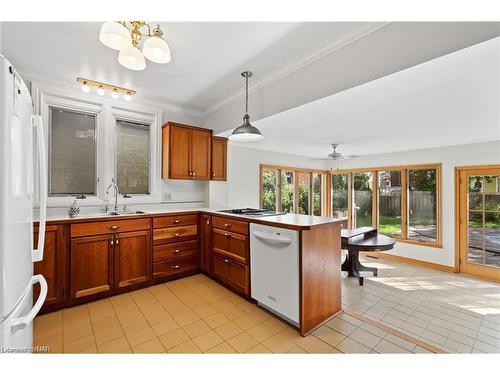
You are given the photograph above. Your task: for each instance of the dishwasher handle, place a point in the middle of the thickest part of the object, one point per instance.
(270, 238)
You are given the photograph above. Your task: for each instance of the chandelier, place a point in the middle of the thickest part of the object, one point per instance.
(125, 36)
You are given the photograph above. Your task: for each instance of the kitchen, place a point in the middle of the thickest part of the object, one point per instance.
(175, 207)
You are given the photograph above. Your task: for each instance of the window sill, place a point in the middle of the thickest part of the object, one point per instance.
(436, 245)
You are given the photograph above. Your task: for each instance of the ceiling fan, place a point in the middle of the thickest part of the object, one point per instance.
(335, 155)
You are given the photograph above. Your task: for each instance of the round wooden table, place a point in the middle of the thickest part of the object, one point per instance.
(362, 239)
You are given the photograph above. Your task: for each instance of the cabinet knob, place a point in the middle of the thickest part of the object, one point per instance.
(176, 251)
(176, 267)
(213, 174)
(193, 174)
(227, 225)
(227, 261)
(177, 234)
(208, 221)
(176, 221)
(227, 234)
(113, 227)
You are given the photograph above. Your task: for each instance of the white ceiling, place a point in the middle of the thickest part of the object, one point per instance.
(207, 58)
(454, 99)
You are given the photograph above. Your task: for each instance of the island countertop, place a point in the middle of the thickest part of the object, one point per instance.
(290, 221)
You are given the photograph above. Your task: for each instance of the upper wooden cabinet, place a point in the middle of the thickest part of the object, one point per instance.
(219, 158)
(186, 152)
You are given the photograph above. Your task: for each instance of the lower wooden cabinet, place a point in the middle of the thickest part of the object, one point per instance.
(53, 265)
(174, 267)
(132, 258)
(92, 265)
(206, 243)
(233, 273)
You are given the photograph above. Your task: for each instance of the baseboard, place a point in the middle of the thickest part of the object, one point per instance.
(417, 262)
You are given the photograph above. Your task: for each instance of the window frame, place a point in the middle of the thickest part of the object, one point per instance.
(404, 199)
(279, 169)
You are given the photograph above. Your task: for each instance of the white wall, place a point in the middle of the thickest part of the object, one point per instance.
(242, 186)
(450, 157)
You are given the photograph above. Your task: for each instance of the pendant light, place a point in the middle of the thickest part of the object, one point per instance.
(246, 132)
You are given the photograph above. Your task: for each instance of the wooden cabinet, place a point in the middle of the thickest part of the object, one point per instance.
(175, 245)
(186, 152)
(132, 258)
(53, 265)
(230, 253)
(219, 159)
(101, 263)
(206, 243)
(92, 265)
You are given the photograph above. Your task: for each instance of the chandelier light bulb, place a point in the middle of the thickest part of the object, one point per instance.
(132, 58)
(100, 91)
(114, 95)
(85, 88)
(115, 35)
(128, 97)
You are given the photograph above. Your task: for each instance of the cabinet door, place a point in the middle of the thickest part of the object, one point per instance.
(201, 154)
(91, 265)
(179, 152)
(233, 274)
(219, 159)
(53, 265)
(206, 243)
(133, 258)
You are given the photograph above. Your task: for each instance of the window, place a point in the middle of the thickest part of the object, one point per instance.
(422, 205)
(72, 152)
(340, 195)
(389, 203)
(406, 204)
(363, 199)
(292, 190)
(132, 157)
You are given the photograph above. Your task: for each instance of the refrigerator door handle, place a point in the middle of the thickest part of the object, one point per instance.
(23, 321)
(37, 254)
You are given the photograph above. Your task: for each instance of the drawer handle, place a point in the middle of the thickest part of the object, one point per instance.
(193, 174)
(176, 221)
(177, 234)
(227, 261)
(176, 251)
(113, 227)
(227, 225)
(176, 267)
(227, 234)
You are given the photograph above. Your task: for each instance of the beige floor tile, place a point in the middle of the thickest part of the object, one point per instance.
(109, 334)
(186, 318)
(171, 302)
(55, 341)
(174, 338)
(264, 330)
(151, 346)
(222, 305)
(366, 338)
(155, 313)
(196, 329)
(405, 344)
(140, 336)
(223, 348)
(312, 344)
(131, 325)
(420, 350)
(205, 311)
(282, 341)
(242, 342)
(208, 340)
(118, 345)
(350, 346)
(104, 324)
(259, 349)
(234, 312)
(296, 350)
(188, 347)
(196, 303)
(216, 320)
(77, 330)
(328, 335)
(247, 321)
(166, 326)
(389, 348)
(81, 344)
(228, 330)
(341, 326)
(121, 299)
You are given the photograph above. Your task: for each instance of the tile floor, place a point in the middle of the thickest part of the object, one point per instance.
(198, 315)
(453, 312)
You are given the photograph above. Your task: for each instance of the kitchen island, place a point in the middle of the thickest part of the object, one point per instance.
(159, 245)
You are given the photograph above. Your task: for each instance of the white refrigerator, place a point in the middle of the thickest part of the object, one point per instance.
(19, 129)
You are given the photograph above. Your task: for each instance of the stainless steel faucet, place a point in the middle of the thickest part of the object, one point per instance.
(113, 185)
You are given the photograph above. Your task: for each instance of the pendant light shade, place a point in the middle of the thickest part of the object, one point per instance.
(115, 35)
(246, 132)
(156, 50)
(132, 58)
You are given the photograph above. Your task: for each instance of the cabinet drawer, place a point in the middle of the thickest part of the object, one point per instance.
(230, 244)
(109, 226)
(231, 272)
(173, 267)
(174, 251)
(174, 221)
(174, 234)
(230, 224)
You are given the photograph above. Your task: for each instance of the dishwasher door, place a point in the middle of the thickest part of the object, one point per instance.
(274, 261)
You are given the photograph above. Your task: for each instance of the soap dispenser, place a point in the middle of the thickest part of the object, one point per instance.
(74, 210)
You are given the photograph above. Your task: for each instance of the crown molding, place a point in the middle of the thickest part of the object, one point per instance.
(50, 81)
(309, 57)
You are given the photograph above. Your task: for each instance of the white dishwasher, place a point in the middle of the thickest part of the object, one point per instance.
(274, 261)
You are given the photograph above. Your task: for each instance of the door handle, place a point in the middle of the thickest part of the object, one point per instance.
(23, 321)
(227, 261)
(176, 267)
(37, 254)
(113, 227)
(176, 221)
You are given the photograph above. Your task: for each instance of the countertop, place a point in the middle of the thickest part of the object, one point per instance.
(290, 221)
